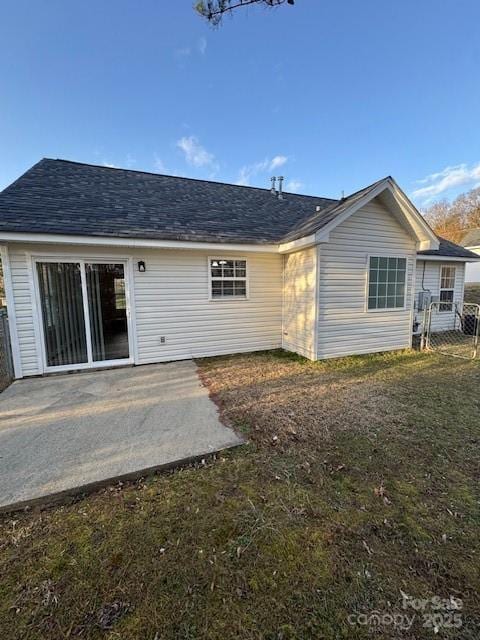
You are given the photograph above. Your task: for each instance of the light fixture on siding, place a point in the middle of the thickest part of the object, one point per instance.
(141, 266)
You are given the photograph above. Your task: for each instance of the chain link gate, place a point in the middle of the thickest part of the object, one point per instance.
(452, 328)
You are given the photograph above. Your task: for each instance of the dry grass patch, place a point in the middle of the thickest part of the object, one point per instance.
(472, 292)
(285, 399)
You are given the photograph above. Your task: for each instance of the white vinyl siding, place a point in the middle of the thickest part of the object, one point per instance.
(20, 274)
(472, 269)
(428, 274)
(170, 300)
(299, 302)
(345, 326)
(174, 318)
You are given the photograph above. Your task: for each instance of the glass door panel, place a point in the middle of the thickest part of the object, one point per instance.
(62, 313)
(108, 311)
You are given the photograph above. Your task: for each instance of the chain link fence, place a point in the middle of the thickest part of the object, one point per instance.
(452, 328)
(6, 361)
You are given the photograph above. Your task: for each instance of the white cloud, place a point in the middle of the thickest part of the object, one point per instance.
(195, 154)
(158, 165)
(130, 161)
(202, 45)
(249, 171)
(244, 175)
(449, 178)
(277, 161)
(127, 163)
(294, 186)
(183, 52)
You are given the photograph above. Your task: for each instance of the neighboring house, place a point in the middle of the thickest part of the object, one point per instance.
(471, 240)
(107, 267)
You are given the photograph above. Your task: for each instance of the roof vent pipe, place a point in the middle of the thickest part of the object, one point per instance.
(280, 181)
(272, 188)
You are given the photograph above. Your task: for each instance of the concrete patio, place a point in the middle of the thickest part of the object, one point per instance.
(64, 433)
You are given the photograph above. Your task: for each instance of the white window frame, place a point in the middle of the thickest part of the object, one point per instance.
(33, 258)
(211, 279)
(452, 289)
(367, 287)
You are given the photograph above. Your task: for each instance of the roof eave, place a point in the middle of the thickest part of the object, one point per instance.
(7, 237)
(296, 245)
(425, 236)
(443, 258)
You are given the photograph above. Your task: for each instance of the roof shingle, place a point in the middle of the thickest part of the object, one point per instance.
(59, 196)
(450, 250)
(471, 238)
(65, 197)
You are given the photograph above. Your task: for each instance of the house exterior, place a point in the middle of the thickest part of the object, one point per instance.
(471, 240)
(109, 267)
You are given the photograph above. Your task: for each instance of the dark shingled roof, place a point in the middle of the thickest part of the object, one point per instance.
(450, 250)
(471, 238)
(321, 218)
(58, 196)
(64, 197)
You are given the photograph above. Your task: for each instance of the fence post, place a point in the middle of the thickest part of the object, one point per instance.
(476, 330)
(424, 329)
(6, 346)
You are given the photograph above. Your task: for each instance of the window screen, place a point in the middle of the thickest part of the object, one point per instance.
(386, 283)
(447, 287)
(228, 278)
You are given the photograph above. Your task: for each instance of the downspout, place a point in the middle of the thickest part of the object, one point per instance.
(412, 304)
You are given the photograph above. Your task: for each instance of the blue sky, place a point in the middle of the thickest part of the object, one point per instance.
(333, 95)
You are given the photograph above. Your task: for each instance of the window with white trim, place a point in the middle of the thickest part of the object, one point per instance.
(228, 278)
(386, 283)
(447, 287)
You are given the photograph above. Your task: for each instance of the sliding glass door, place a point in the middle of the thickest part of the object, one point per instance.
(84, 313)
(61, 300)
(108, 311)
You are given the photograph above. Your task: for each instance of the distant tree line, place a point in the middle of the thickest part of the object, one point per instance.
(452, 219)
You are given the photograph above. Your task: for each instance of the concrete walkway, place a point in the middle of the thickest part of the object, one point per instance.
(64, 432)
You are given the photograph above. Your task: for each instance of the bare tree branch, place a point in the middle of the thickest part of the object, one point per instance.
(214, 10)
(451, 219)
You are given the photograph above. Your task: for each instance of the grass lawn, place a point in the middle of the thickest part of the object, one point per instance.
(360, 482)
(472, 292)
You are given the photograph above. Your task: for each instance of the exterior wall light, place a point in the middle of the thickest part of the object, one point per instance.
(141, 266)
